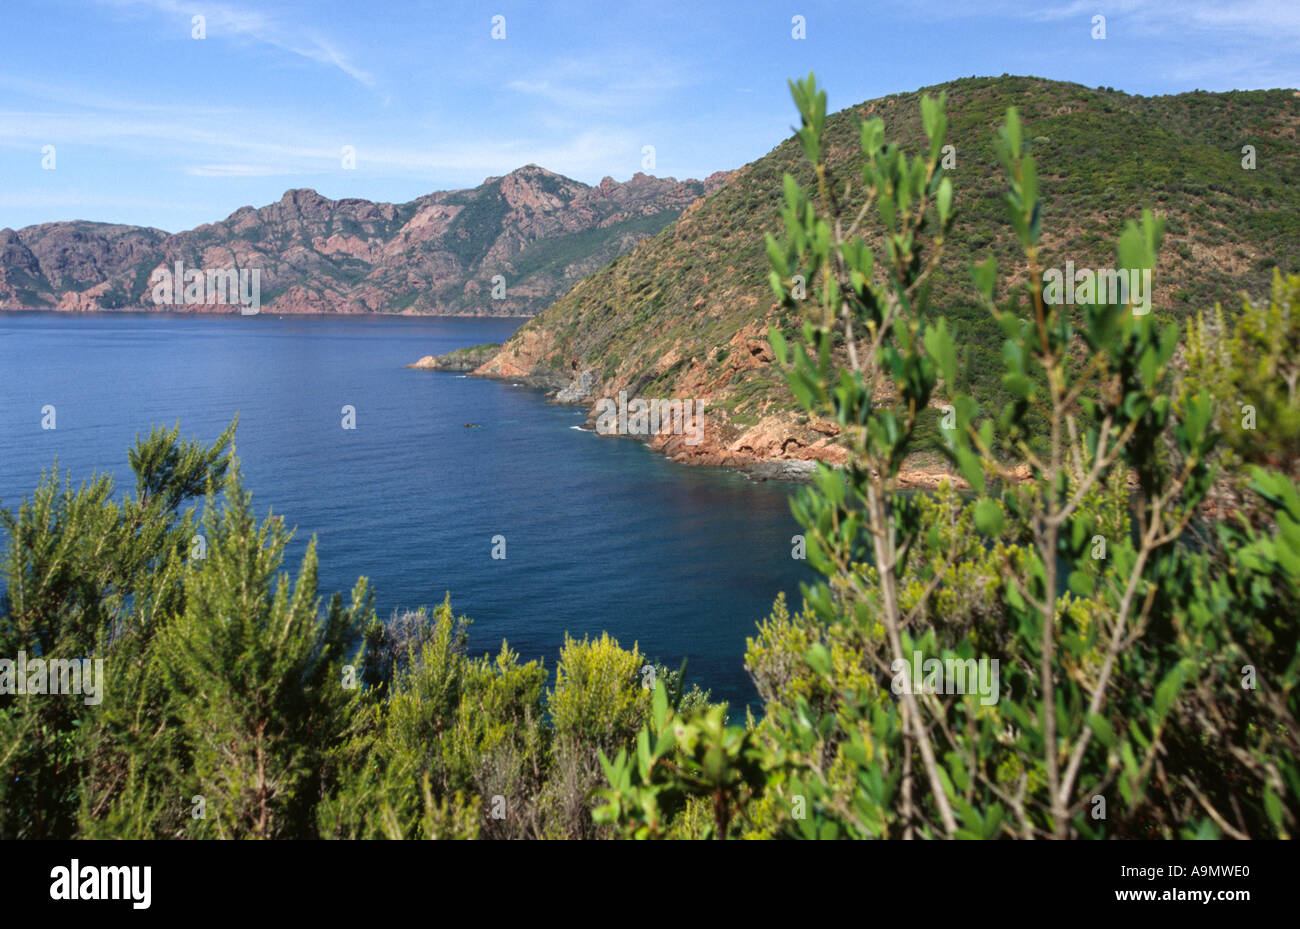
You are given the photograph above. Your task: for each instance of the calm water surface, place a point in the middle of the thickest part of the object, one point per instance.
(601, 534)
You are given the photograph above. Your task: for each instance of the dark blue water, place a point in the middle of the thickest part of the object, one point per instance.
(601, 533)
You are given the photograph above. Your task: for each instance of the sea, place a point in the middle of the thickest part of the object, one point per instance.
(599, 534)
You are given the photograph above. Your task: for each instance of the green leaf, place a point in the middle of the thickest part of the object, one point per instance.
(1081, 583)
(940, 346)
(776, 255)
(1013, 132)
(988, 517)
(1169, 689)
(791, 189)
(1018, 385)
(984, 275)
(1029, 184)
(1273, 807)
(993, 821)
(968, 464)
(779, 348)
(1102, 729)
(819, 658)
(1130, 762)
(943, 200)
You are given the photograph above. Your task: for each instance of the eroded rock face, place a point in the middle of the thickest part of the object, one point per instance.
(579, 390)
(782, 445)
(507, 247)
(521, 356)
(71, 266)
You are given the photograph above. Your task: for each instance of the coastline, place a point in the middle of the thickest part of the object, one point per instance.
(774, 449)
(225, 310)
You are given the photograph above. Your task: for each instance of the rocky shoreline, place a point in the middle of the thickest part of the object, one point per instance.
(462, 359)
(777, 448)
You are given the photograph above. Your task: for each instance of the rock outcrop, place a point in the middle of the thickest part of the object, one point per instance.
(579, 390)
(462, 359)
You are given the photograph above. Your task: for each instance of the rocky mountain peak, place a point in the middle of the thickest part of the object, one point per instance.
(436, 254)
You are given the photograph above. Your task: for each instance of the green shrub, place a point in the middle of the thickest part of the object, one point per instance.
(1149, 669)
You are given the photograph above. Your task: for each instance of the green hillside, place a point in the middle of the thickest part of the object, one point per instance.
(685, 313)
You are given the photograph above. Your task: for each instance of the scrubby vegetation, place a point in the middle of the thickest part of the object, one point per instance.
(238, 704)
(1149, 656)
(1129, 555)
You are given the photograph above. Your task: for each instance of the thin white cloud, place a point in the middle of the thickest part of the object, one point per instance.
(227, 21)
(89, 97)
(282, 148)
(605, 82)
(229, 171)
(1262, 19)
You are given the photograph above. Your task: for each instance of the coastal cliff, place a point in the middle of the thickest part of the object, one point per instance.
(686, 313)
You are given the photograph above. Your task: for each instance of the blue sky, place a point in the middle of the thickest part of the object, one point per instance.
(153, 127)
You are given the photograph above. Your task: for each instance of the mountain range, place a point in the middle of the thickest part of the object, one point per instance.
(535, 231)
